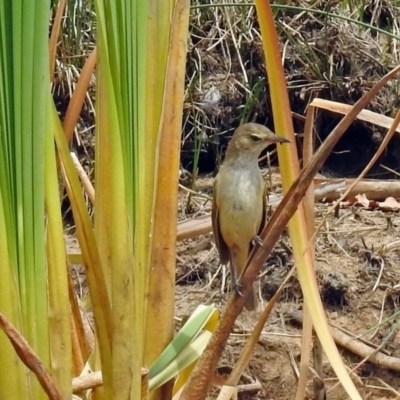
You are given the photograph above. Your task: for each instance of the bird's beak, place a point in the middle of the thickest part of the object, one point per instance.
(279, 139)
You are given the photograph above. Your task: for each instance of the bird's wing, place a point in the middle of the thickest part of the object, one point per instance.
(264, 213)
(222, 247)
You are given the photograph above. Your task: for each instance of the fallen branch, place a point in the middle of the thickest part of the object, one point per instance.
(93, 380)
(88, 381)
(357, 347)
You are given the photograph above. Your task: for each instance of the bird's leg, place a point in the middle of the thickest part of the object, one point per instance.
(235, 280)
(256, 240)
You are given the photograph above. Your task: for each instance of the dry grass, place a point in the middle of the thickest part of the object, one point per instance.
(324, 56)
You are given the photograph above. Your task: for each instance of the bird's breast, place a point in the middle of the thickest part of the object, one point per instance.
(240, 205)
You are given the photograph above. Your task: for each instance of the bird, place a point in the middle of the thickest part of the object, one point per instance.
(239, 200)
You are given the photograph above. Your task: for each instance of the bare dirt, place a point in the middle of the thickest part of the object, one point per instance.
(357, 266)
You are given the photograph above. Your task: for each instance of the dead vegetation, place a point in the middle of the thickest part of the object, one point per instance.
(326, 56)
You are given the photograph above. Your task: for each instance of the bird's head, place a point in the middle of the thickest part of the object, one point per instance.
(253, 138)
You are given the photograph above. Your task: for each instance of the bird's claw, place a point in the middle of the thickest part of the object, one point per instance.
(257, 240)
(237, 287)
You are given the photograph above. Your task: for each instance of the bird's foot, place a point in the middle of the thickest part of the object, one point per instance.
(257, 240)
(237, 286)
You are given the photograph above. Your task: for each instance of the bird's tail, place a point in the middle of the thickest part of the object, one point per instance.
(251, 302)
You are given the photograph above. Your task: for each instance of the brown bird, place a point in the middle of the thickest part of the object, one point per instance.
(239, 200)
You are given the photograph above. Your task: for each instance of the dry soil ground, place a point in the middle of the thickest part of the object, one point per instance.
(358, 269)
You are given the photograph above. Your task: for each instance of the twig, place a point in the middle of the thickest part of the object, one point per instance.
(87, 185)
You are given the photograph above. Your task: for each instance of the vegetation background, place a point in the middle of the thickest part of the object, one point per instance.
(331, 50)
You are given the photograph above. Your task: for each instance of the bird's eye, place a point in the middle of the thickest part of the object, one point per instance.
(255, 138)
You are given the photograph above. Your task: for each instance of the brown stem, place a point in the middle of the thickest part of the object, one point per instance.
(30, 359)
